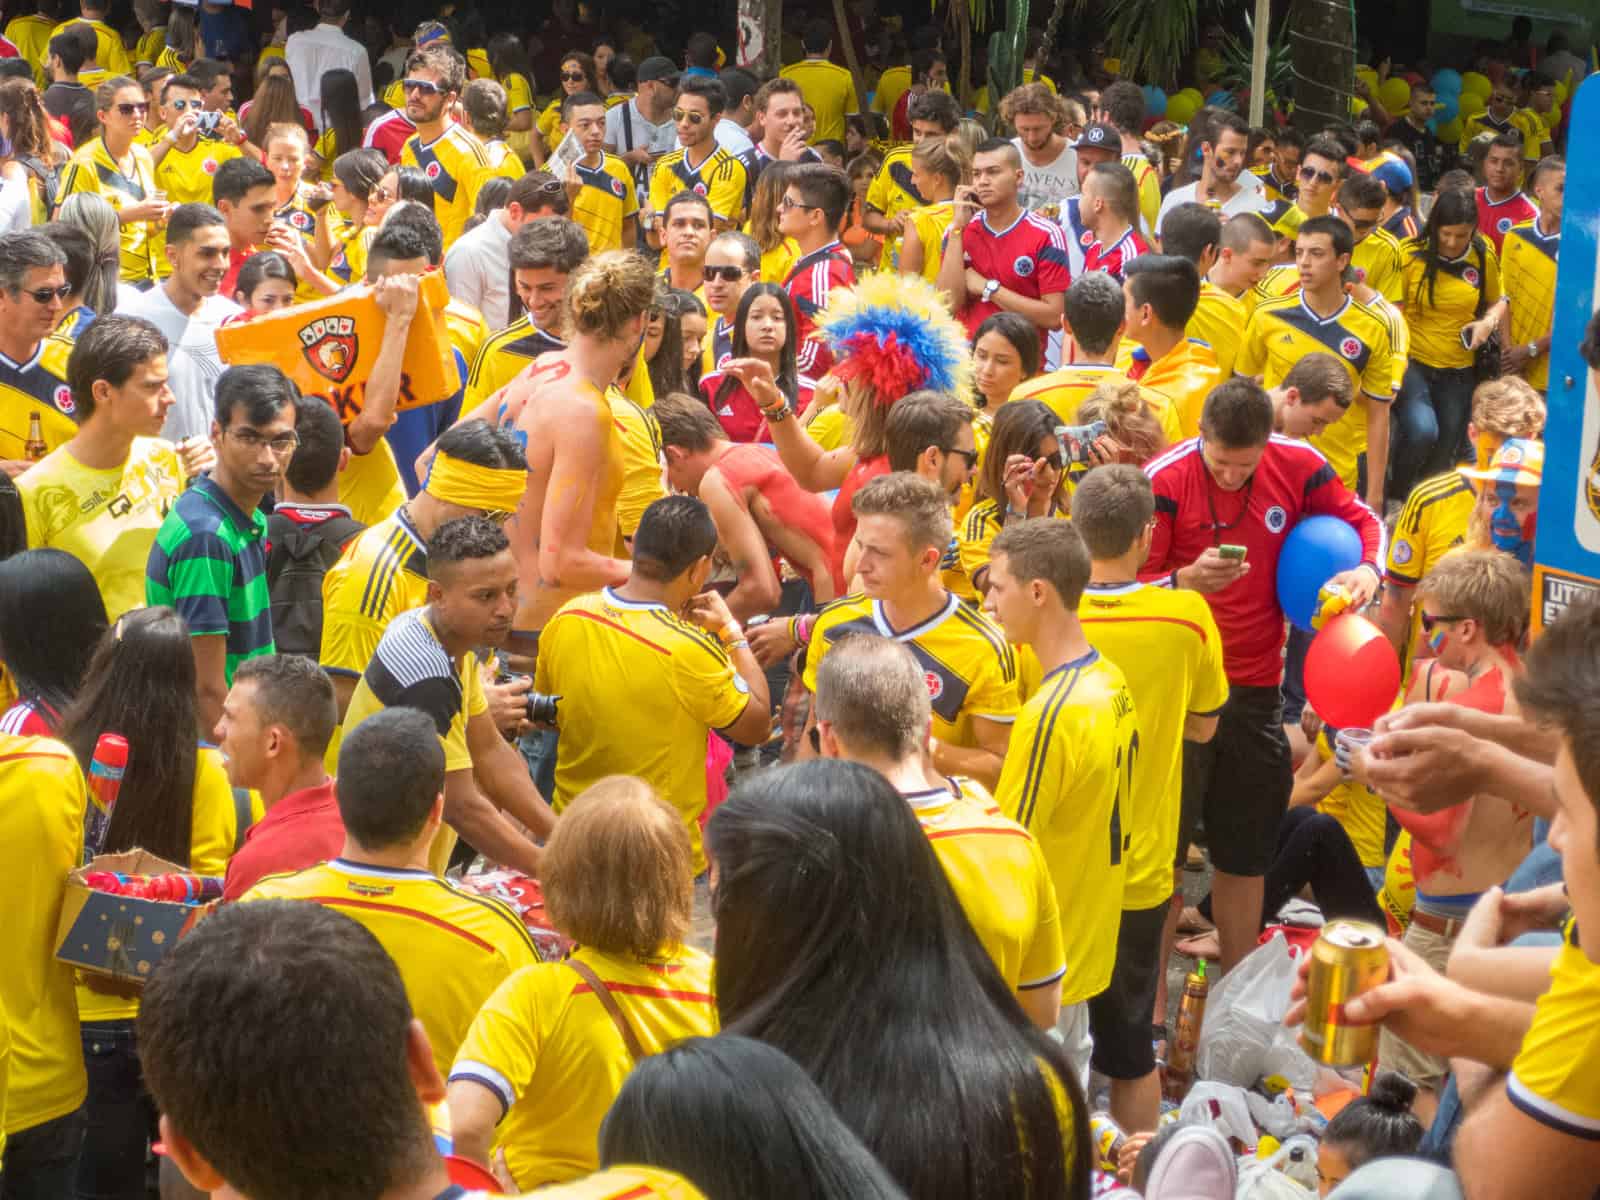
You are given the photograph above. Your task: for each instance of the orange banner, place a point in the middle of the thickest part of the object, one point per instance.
(328, 347)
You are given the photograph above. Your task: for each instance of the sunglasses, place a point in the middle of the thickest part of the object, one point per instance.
(726, 274)
(787, 202)
(550, 186)
(128, 109)
(1429, 620)
(1310, 173)
(426, 86)
(45, 295)
(184, 105)
(683, 114)
(970, 457)
(381, 195)
(572, 77)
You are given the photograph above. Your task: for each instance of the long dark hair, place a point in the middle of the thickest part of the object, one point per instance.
(830, 901)
(738, 1118)
(182, 26)
(141, 684)
(414, 185)
(51, 618)
(507, 57)
(1019, 427)
(666, 364)
(1453, 207)
(341, 109)
(274, 103)
(788, 370)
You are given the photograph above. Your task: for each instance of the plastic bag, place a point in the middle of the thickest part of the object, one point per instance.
(1222, 1107)
(1244, 1016)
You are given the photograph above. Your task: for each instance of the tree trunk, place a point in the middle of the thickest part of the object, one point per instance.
(760, 24)
(962, 10)
(1324, 63)
(841, 20)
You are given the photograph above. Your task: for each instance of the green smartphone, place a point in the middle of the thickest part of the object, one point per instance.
(1236, 553)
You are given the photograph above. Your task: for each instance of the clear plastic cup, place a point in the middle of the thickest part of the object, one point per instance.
(1348, 744)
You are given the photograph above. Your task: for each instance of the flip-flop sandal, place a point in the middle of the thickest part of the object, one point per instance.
(1200, 947)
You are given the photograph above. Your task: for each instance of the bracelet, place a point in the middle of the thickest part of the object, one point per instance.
(800, 628)
(741, 644)
(1014, 512)
(778, 413)
(729, 633)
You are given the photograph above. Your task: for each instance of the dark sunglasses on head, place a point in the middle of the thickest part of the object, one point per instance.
(572, 77)
(550, 186)
(726, 274)
(45, 295)
(683, 114)
(128, 108)
(426, 86)
(1310, 173)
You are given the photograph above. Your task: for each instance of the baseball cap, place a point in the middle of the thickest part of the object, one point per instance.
(1519, 462)
(657, 68)
(1388, 169)
(1101, 137)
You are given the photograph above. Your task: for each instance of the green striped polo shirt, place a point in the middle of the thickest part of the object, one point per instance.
(209, 562)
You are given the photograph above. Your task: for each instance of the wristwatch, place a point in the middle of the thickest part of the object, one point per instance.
(989, 289)
(1533, 349)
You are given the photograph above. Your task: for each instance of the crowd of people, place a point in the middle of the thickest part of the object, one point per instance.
(840, 566)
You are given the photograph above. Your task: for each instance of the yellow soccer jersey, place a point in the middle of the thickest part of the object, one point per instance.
(1431, 524)
(1149, 193)
(1067, 781)
(109, 51)
(454, 163)
(831, 92)
(150, 44)
(1436, 310)
(779, 261)
(931, 222)
(1282, 331)
(999, 875)
(1183, 378)
(549, 125)
(545, 1046)
(625, 1183)
(970, 668)
(186, 177)
(37, 386)
(1530, 281)
(453, 948)
(382, 573)
(1165, 642)
(650, 687)
(1218, 321)
(504, 356)
(1278, 281)
(503, 163)
(1377, 260)
(370, 485)
(465, 327)
(31, 35)
(1063, 392)
(1359, 810)
(41, 839)
(721, 179)
(832, 429)
(1556, 1076)
(606, 199)
(107, 519)
(892, 84)
(976, 535)
(642, 465)
(213, 836)
(1345, 441)
(891, 191)
(91, 169)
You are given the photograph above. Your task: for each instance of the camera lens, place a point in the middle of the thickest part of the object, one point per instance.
(542, 708)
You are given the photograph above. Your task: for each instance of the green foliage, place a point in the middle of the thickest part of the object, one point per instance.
(1236, 61)
(1150, 37)
(1006, 50)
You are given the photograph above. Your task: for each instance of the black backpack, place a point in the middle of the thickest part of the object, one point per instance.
(299, 557)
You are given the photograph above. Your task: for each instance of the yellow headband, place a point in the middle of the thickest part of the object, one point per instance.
(488, 489)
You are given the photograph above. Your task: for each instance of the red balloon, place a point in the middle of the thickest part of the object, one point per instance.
(1352, 673)
(1413, 78)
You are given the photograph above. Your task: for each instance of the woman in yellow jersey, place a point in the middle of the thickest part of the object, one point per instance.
(25, 126)
(550, 1048)
(508, 58)
(577, 75)
(1022, 478)
(91, 214)
(175, 803)
(341, 121)
(938, 167)
(887, 936)
(343, 233)
(295, 205)
(183, 38)
(735, 1117)
(662, 347)
(116, 167)
(1453, 302)
(778, 253)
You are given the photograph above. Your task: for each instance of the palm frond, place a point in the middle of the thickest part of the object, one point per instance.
(1236, 62)
(1150, 37)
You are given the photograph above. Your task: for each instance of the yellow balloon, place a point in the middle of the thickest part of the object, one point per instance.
(1450, 132)
(1471, 105)
(1181, 107)
(1370, 76)
(1475, 81)
(1395, 94)
(1551, 119)
(1561, 94)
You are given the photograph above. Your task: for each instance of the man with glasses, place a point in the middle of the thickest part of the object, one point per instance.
(701, 166)
(478, 267)
(209, 561)
(451, 158)
(33, 364)
(813, 205)
(1502, 116)
(599, 186)
(311, 53)
(102, 496)
(1320, 168)
(185, 162)
(733, 263)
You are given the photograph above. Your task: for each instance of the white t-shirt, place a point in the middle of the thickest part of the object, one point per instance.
(16, 206)
(1250, 198)
(1049, 184)
(478, 270)
(658, 139)
(157, 307)
(731, 137)
(193, 364)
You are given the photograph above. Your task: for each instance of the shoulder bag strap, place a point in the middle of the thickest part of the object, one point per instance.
(613, 1009)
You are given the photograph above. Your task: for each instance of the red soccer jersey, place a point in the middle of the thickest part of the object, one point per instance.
(390, 133)
(1291, 481)
(1496, 217)
(810, 282)
(28, 719)
(1029, 258)
(1113, 258)
(735, 408)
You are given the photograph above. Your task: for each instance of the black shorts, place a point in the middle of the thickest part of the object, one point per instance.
(1241, 779)
(1120, 1017)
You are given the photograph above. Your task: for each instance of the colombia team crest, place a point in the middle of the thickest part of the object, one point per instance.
(329, 344)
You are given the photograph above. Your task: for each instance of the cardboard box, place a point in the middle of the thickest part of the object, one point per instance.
(120, 937)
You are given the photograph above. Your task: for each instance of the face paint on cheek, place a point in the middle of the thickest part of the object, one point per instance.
(1509, 532)
(1436, 642)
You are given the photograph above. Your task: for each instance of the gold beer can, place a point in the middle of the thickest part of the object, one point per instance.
(1348, 958)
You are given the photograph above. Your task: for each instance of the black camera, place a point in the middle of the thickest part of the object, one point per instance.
(541, 708)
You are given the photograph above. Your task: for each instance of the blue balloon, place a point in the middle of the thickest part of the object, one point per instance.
(1316, 550)
(1222, 99)
(1447, 82)
(1155, 101)
(1446, 109)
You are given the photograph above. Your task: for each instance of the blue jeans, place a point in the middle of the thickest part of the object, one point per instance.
(538, 748)
(41, 1162)
(1429, 423)
(121, 1116)
(1294, 674)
